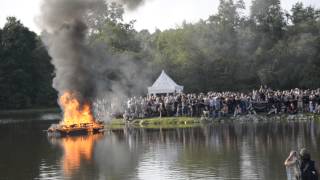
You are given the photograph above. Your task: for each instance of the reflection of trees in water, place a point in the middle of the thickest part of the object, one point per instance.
(228, 150)
(116, 157)
(312, 133)
(97, 157)
(248, 166)
(185, 148)
(24, 152)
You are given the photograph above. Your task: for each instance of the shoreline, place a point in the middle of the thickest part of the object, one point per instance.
(175, 122)
(183, 122)
(30, 111)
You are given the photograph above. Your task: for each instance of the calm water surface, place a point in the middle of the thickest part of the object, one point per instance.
(222, 151)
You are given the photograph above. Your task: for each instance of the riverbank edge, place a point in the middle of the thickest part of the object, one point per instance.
(30, 111)
(155, 123)
(184, 122)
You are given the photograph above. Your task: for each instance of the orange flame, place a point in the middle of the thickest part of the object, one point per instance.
(74, 112)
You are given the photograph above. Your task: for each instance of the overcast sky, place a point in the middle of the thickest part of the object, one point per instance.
(161, 14)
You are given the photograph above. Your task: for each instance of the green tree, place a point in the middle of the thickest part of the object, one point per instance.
(106, 26)
(303, 44)
(21, 80)
(16, 81)
(268, 18)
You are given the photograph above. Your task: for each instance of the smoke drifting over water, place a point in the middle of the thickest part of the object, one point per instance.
(81, 68)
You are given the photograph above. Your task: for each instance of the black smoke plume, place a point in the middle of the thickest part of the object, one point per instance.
(81, 68)
(65, 33)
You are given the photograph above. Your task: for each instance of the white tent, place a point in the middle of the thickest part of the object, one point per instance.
(164, 84)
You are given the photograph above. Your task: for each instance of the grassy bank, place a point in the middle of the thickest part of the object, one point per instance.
(183, 122)
(164, 122)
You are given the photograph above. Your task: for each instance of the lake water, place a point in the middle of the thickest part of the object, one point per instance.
(220, 151)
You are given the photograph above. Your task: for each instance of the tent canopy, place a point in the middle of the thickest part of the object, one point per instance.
(164, 84)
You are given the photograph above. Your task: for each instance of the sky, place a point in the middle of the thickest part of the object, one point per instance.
(153, 14)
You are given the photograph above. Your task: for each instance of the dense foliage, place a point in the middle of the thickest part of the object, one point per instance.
(227, 51)
(25, 69)
(233, 52)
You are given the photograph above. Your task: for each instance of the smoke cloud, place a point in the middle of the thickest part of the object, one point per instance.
(65, 36)
(132, 4)
(82, 68)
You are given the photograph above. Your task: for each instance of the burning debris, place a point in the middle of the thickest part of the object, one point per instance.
(77, 119)
(78, 66)
(64, 33)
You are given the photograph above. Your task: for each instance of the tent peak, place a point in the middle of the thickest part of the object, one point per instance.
(164, 84)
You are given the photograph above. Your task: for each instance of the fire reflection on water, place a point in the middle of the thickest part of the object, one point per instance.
(76, 149)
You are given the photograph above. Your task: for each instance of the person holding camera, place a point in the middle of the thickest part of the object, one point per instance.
(293, 166)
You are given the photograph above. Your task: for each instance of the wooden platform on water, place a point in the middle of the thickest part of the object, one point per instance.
(73, 130)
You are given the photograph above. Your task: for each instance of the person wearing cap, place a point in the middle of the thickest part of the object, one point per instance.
(292, 166)
(307, 166)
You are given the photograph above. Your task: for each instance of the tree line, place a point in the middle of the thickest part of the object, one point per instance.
(25, 69)
(226, 51)
(229, 51)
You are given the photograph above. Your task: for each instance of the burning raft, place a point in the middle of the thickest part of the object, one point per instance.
(77, 129)
(77, 119)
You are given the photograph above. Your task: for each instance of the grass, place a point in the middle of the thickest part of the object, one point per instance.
(156, 123)
(181, 122)
(317, 117)
(167, 121)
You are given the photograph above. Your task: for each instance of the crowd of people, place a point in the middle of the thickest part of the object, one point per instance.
(218, 104)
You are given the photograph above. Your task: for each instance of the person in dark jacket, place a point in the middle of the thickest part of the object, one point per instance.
(307, 166)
